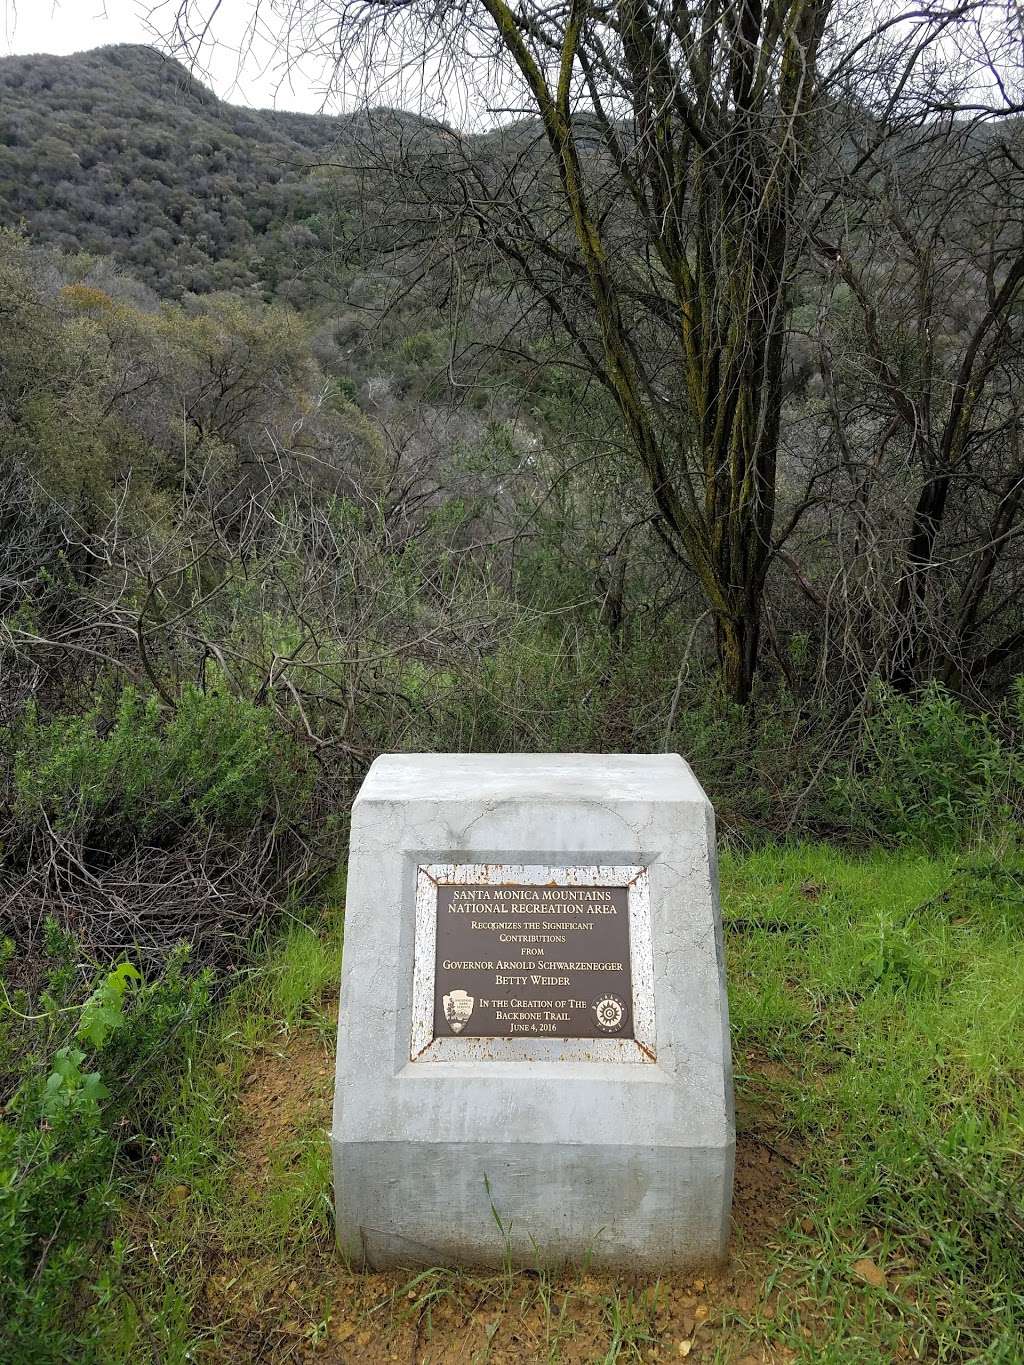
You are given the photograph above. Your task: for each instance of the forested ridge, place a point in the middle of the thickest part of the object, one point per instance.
(121, 152)
(629, 423)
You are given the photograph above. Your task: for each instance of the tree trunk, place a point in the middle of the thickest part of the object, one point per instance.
(905, 669)
(736, 640)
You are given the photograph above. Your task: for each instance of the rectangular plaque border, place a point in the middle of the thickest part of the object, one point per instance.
(424, 1047)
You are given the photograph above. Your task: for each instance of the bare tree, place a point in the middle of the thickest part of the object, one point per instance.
(657, 204)
(921, 352)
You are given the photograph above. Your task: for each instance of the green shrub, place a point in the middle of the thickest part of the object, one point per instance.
(933, 773)
(217, 759)
(537, 691)
(422, 348)
(95, 1072)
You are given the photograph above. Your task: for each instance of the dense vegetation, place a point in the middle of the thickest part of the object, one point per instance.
(119, 152)
(286, 481)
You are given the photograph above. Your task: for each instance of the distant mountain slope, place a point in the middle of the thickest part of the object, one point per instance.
(119, 151)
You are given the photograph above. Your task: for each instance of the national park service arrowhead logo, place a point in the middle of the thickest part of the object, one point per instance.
(609, 1010)
(458, 1006)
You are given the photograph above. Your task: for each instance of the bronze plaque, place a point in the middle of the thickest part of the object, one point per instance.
(532, 962)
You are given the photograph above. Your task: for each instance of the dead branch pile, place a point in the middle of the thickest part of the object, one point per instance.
(208, 894)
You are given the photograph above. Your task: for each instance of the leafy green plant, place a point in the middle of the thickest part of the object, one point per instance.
(933, 772)
(68, 1088)
(93, 1074)
(218, 759)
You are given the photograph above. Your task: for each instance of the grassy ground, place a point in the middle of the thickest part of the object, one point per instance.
(878, 1022)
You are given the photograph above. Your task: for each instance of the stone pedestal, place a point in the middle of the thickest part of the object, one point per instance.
(533, 1045)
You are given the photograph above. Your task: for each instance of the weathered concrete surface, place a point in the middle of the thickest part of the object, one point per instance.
(627, 1165)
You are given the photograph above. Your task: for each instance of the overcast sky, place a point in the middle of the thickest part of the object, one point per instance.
(61, 26)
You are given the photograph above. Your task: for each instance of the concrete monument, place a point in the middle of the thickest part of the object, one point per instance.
(533, 1044)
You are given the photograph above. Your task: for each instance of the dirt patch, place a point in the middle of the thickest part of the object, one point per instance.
(302, 1304)
(287, 1092)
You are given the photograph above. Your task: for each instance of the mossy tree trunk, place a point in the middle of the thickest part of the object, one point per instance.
(712, 169)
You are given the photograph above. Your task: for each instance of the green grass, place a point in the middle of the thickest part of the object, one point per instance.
(877, 1008)
(889, 992)
(145, 1310)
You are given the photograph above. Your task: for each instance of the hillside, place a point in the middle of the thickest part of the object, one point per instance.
(120, 152)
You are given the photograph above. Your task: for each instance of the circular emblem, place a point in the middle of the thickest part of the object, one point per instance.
(609, 1010)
